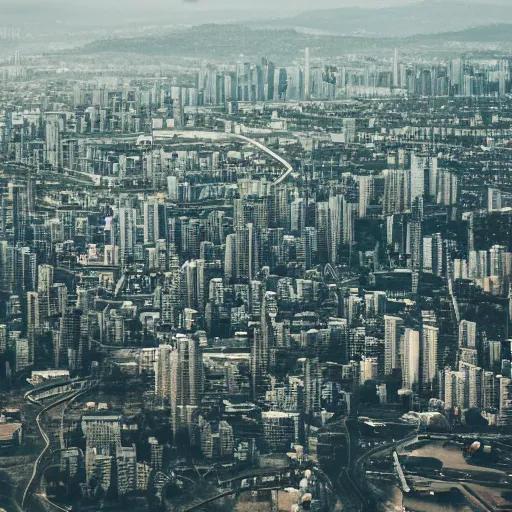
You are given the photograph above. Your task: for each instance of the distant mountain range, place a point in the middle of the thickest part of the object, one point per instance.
(494, 33)
(229, 41)
(425, 17)
(431, 16)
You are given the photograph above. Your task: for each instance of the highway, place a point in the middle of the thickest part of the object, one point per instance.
(346, 485)
(352, 477)
(275, 156)
(288, 169)
(68, 397)
(45, 437)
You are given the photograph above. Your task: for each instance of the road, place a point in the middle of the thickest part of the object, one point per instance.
(352, 477)
(216, 135)
(275, 156)
(66, 399)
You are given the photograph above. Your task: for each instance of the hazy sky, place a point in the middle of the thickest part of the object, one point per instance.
(190, 5)
(100, 12)
(202, 5)
(186, 5)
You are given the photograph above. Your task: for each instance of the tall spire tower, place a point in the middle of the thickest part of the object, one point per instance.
(395, 69)
(307, 75)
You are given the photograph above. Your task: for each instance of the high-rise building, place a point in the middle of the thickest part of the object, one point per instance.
(369, 369)
(33, 321)
(151, 221)
(33, 313)
(259, 363)
(66, 352)
(478, 265)
(505, 401)
(163, 373)
(419, 165)
(415, 234)
(126, 465)
(396, 81)
(447, 188)
(54, 126)
(428, 350)
(411, 359)
(312, 385)
(494, 200)
(22, 351)
(396, 191)
(393, 327)
(127, 234)
(366, 190)
(102, 437)
(187, 381)
(307, 75)
(467, 334)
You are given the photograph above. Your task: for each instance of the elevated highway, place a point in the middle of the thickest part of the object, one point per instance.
(255, 480)
(65, 392)
(55, 388)
(219, 136)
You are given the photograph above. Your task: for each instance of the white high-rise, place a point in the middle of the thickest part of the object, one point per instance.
(307, 75)
(395, 69)
(366, 184)
(429, 342)
(411, 359)
(417, 177)
(467, 334)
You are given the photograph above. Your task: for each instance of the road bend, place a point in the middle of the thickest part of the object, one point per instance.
(45, 437)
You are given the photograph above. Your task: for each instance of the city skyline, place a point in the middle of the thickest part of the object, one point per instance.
(250, 266)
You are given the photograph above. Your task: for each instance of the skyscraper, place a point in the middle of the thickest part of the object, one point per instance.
(392, 335)
(429, 344)
(415, 234)
(102, 437)
(411, 359)
(187, 381)
(307, 75)
(366, 185)
(419, 165)
(151, 221)
(395, 69)
(54, 127)
(127, 234)
(259, 364)
(467, 334)
(312, 385)
(68, 347)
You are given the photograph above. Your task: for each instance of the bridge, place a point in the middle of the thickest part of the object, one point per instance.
(55, 388)
(399, 470)
(275, 156)
(251, 480)
(255, 480)
(213, 135)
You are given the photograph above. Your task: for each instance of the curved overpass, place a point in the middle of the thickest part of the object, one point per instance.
(255, 480)
(53, 388)
(46, 439)
(218, 136)
(268, 151)
(250, 481)
(69, 393)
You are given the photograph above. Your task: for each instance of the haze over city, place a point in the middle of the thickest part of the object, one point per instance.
(255, 256)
